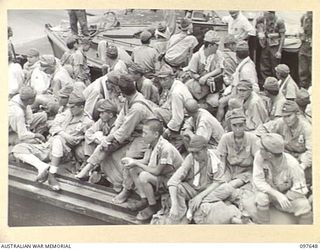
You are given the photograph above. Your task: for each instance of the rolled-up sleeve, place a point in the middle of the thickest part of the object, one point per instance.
(181, 172)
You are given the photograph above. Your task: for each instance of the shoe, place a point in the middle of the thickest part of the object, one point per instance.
(146, 214)
(53, 183)
(137, 205)
(42, 176)
(95, 177)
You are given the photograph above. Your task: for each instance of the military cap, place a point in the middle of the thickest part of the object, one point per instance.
(126, 84)
(234, 103)
(47, 61)
(191, 105)
(271, 83)
(289, 107)
(303, 97)
(65, 91)
(145, 36)
(33, 52)
(211, 37)
(27, 92)
(282, 68)
(228, 39)
(184, 24)
(136, 68)
(76, 97)
(165, 71)
(197, 143)
(273, 143)
(236, 116)
(112, 51)
(244, 84)
(113, 77)
(107, 105)
(242, 46)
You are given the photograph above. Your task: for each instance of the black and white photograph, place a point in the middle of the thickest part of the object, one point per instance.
(159, 116)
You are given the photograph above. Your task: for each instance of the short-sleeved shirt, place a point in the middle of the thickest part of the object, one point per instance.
(164, 153)
(239, 26)
(146, 57)
(272, 29)
(291, 177)
(239, 159)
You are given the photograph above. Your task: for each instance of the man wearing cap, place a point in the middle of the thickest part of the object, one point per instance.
(33, 57)
(97, 133)
(200, 173)
(201, 122)
(152, 173)
(145, 55)
(127, 130)
(288, 86)
(204, 67)
(64, 95)
(105, 87)
(180, 46)
(143, 84)
(245, 71)
(275, 97)
(172, 110)
(237, 149)
(79, 61)
(253, 105)
(230, 61)
(305, 51)
(113, 62)
(238, 25)
(59, 76)
(271, 34)
(280, 181)
(295, 131)
(21, 119)
(162, 35)
(72, 45)
(303, 101)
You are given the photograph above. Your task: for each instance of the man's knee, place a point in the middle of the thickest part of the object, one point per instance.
(301, 206)
(145, 177)
(262, 199)
(57, 147)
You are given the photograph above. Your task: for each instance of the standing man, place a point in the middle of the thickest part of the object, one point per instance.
(305, 52)
(271, 34)
(79, 61)
(80, 16)
(279, 180)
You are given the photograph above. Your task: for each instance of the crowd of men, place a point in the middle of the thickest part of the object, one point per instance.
(194, 134)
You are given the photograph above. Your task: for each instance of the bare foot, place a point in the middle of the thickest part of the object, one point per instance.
(84, 172)
(53, 183)
(121, 197)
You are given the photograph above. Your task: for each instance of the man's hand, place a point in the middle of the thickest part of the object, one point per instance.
(195, 203)
(203, 80)
(167, 133)
(40, 137)
(278, 55)
(128, 162)
(283, 201)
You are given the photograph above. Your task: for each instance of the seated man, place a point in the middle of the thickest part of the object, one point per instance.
(113, 61)
(279, 181)
(24, 126)
(172, 110)
(276, 98)
(98, 132)
(126, 132)
(237, 149)
(151, 173)
(296, 133)
(67, 132)
(303, 101)
(201, 122)
(288, 87)
(200, 169)
(203, 68)
(253, 105)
